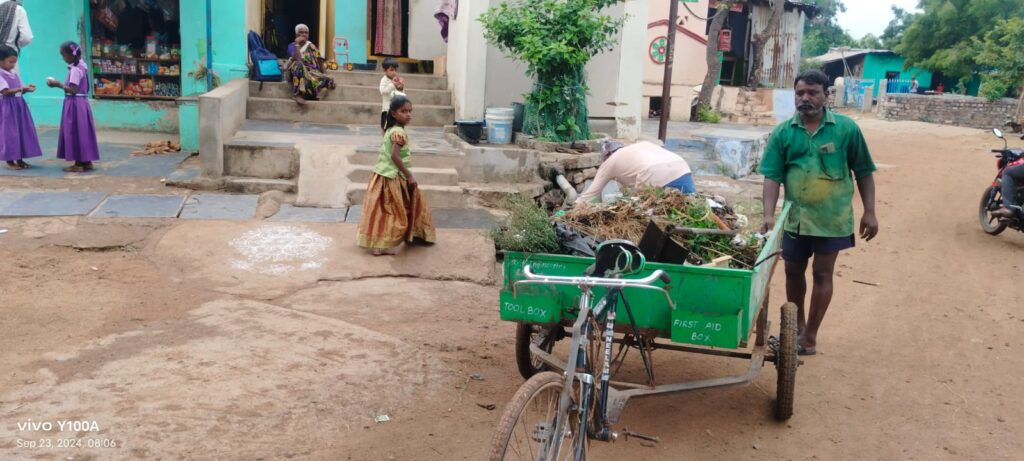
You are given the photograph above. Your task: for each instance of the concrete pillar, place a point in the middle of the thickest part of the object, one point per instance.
(840, 92)
(883, 91)
(467, 60)
(869, 95)
(630, 85)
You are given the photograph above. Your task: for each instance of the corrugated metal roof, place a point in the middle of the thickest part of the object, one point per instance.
(781, 51)
(844, 53)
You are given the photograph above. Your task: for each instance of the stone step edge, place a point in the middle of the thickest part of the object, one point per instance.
(312, 104)
(367, 87)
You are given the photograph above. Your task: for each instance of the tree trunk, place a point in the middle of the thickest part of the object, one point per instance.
(759, 40)
(714, 65)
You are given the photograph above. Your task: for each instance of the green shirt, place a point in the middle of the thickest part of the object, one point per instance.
(815, 169)
(385, 167)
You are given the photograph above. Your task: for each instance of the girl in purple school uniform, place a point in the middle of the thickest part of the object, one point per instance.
(18, 140)
(77, 141)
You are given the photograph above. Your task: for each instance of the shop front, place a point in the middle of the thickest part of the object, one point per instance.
(147, 58)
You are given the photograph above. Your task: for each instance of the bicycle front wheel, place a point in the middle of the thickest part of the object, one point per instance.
(526, 430)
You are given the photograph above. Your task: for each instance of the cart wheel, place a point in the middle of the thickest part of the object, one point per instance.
(785, 363)
(526, 428)
(527, 333)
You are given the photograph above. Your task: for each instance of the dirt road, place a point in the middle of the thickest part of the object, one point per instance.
(178, 344)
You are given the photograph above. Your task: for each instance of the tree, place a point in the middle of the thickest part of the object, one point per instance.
(942, 37)
(893, 33)
(758, 41)
(714, 65)
(1000, 55)
(822, 32)
(870, 42)
(556, 39)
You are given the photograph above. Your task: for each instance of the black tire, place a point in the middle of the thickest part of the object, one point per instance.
(526, 333)
(532, 410)
(989, 224)
(785, 363)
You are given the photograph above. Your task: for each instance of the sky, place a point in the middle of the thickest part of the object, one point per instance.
(870, 16)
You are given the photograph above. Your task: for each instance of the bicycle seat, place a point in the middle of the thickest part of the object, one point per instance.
(616, 257)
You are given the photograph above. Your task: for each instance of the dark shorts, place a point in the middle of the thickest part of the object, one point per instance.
(799, 248)
(383, 120)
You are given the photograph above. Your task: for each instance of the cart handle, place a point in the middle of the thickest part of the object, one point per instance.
(645, 283)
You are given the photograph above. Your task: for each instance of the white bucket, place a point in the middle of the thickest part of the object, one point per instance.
(499, 124)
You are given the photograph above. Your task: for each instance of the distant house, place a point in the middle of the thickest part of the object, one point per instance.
(781, 54)
(880, 65)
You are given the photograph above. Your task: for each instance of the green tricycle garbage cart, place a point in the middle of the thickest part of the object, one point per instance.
(633, 304)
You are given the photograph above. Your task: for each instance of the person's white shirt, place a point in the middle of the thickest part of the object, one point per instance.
(21, 32)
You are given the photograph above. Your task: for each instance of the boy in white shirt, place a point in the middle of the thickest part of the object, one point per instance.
(391, 85)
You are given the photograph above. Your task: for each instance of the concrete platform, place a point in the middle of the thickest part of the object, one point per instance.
(140, 206)
(291, 213)
(115, 157)
(446, 218)
(53, 204)
(220, 207)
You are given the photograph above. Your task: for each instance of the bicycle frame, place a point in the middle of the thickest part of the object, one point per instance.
(579, 358)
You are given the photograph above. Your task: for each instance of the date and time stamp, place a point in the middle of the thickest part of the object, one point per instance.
(63, 435)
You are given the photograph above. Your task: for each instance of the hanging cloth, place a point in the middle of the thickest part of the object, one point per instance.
(447, 11)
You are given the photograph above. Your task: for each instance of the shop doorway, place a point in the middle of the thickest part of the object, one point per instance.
(280, 18)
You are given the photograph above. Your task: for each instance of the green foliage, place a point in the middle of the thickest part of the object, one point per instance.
(528, 228)
(893, 33)
(822, 32)
(870, 42)
(555, 39)
(708, 115)
(942, 38)
(806, 64)
(1000, 55)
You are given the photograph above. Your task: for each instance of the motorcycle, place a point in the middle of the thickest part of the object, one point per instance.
(992, 199)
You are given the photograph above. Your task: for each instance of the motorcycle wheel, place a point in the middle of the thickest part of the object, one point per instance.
(990, 224)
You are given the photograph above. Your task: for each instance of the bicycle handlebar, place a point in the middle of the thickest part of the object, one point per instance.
(644, 283)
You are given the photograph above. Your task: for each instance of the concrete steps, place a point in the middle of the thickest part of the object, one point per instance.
(340, 112)
(412, 81)
(258, 185)
(437, 196)
(354, 93)
(261, 160)
(425, 176)
(420, 158)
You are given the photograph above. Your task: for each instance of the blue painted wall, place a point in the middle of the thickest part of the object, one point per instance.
(56, 21)
(350, 22)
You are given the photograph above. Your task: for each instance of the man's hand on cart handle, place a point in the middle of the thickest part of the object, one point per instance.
(769, 223)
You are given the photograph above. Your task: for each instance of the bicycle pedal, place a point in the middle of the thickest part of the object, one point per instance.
(649, 438)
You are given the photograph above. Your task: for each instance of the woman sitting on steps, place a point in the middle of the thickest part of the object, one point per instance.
(306, 67)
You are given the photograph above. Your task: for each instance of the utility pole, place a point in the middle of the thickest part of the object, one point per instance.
(666, 84)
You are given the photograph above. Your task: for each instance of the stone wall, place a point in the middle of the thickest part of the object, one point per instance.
(948, 110)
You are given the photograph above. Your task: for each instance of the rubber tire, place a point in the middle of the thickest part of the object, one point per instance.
(510, 418)
(524, 359)
(984, 216)
(786, 361)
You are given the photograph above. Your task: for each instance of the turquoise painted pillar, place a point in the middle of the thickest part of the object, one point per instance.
(53, 22)
(230, 61)
(229, 42)
(350, 22)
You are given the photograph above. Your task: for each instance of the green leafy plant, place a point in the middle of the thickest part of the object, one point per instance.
(555, 39)
(528, 228)
(199, 74)
(999, 53)
(708, 115)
